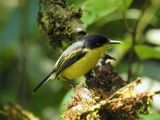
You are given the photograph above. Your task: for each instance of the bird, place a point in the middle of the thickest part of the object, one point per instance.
(79, 58)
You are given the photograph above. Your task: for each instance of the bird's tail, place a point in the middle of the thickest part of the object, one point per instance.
(44, 81)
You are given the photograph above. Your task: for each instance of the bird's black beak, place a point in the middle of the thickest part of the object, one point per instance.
(114, 42)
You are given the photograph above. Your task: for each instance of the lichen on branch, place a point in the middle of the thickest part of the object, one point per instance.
(12, 111)
(60, 21)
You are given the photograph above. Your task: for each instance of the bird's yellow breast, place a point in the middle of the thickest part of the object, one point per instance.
(83, 65)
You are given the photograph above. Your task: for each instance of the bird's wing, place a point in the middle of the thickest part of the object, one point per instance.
(70, 56)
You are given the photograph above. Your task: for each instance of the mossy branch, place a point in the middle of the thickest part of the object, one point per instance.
(15, 112)
(118, 101)
(60, 21)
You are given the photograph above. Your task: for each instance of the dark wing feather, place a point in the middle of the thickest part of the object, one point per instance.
(70, 56)
(70, 60)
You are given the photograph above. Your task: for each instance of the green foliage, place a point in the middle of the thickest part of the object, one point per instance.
(66, 99)
(147, 52)
(154, 115)
(150, 68)
(95, 9)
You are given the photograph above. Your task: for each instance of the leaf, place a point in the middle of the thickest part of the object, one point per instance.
(146, 52)
(66, 99)
(121, 50)
(151, 68)
(154, 115)
(95, 9)
(124, 4)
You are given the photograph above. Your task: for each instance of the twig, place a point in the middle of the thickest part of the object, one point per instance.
(23, 55)
(126, 22)
(134, 34)
(111, 98)
(119, 96)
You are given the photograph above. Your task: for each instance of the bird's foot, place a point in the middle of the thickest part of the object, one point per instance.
(107, 56)
(72, 83)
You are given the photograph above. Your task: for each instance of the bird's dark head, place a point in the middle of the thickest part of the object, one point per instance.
(95, 41)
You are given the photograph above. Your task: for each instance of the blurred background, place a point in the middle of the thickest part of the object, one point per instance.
(26, 56)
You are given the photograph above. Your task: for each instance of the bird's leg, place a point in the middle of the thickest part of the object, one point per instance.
(107, 56)
(72, 83)
(88, 75)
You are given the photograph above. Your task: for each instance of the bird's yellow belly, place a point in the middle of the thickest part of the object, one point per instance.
(84, 65)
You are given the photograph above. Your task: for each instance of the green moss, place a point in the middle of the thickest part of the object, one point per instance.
(60, 21)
